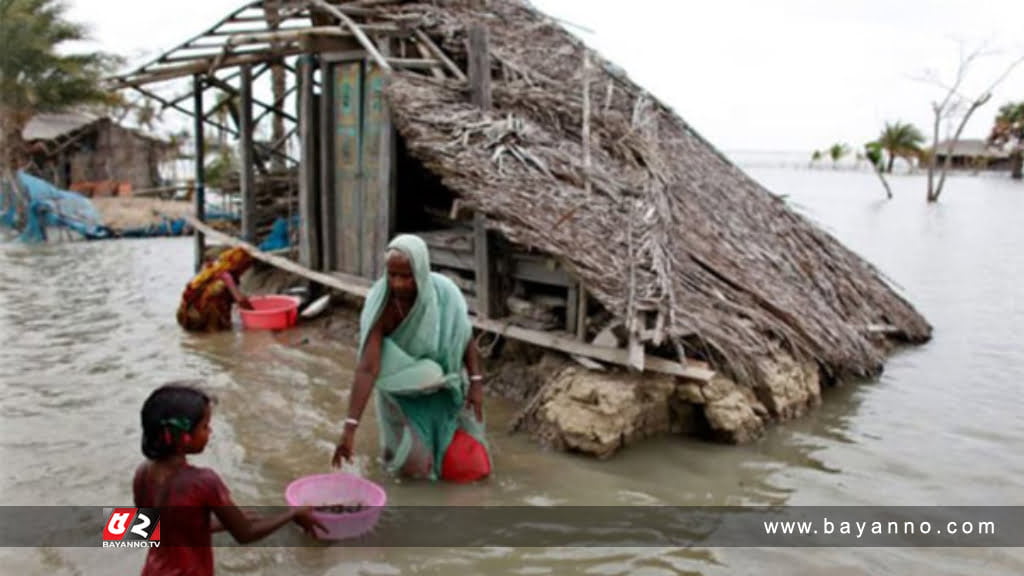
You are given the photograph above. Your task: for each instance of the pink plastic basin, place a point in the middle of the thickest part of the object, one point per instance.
(339, 488)
(270, 313)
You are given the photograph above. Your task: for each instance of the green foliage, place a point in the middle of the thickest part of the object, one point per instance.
(1009, 125)
(873, 151)
(837, 151)
(221, 167)
(34, 75)
(900, 140)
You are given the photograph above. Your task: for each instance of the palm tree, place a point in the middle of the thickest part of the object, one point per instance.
(836, 152)
(873, 154)
(816, 157)
(35, 76)
(1009, 129)
(900, 140)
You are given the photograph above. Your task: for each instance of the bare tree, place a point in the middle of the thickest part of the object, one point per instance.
(956, 108)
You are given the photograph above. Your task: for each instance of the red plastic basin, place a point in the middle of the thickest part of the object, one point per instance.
(270, 313)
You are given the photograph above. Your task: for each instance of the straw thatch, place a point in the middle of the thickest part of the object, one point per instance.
(669, 224)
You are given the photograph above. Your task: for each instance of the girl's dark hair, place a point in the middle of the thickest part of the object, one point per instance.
(170, 411)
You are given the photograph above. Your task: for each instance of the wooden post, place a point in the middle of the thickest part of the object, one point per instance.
(386, 180)
(479, 67)
(481, 252)
(488, 300)
(581, 312)
(245, 157)
(328, 219)
(572, 298)
(309, 248)
(200, 194)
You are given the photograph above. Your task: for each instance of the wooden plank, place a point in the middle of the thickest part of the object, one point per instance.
(479, 67)
(539, 270)
(309, 247)
(200, 147)
(347, 164)
(568, 344)
(247, 178)
(460, 261)
(328, 196)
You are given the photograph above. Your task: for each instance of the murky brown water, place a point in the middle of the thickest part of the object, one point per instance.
(88, 330)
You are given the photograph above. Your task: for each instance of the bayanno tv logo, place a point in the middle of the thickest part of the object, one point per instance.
(132, 528)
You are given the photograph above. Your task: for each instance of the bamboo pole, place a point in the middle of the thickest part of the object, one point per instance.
(424, 51)
(360, 35)
(440, 55)
(201, 66)
(200, 179)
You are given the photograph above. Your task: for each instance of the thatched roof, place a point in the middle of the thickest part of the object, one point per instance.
(727, 264)
(665, 224)
(971, 147)
(53, 126)
(57, 125)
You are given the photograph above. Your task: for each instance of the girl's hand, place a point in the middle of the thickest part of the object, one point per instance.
(304, 518)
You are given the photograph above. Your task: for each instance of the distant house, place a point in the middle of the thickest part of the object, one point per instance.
(974, 154)
(93, 154)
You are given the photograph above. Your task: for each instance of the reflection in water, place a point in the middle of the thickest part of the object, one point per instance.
(88, 331)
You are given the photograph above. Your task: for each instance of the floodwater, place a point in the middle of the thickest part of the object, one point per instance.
(88, 331)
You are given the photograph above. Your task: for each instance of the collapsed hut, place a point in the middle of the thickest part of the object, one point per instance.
(575, 210)
(94, 155)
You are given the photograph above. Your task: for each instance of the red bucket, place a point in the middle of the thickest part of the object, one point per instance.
(270, 313)
(466, 460)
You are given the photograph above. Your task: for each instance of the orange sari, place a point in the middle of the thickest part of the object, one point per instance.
(206, 302)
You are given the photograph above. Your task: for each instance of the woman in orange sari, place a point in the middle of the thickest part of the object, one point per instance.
(207, 299)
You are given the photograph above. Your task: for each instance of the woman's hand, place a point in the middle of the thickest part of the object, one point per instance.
(304, 518)
(344, 450)
(475, 399)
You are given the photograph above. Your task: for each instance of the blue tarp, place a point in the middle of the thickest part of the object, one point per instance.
(50, 207)
(279, 236)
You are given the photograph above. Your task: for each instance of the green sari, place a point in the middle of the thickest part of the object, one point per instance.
(421, 389)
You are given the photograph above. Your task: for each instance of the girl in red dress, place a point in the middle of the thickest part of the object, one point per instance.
(193, 502)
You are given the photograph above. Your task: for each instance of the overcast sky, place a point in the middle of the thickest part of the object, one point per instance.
(747, 74)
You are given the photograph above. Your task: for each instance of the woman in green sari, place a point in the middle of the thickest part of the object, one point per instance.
(417, 357)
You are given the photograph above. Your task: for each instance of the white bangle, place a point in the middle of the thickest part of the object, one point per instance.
(477, 378)
(351, 421)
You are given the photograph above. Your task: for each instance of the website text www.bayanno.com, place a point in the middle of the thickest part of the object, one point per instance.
(861, 528)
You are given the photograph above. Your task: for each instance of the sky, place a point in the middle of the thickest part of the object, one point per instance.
(785, 75)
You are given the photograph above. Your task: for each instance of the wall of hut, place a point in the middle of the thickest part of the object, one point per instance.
(106, 152)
